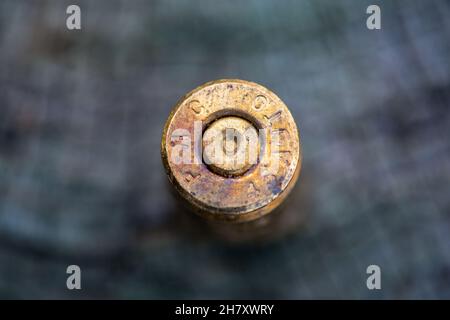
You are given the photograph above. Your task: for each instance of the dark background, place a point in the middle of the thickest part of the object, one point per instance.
(81, 115)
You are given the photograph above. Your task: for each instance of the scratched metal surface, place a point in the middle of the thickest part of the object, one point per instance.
(81, 114)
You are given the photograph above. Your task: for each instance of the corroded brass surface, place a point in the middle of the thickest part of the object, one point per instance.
(234, 156)
(231, 191)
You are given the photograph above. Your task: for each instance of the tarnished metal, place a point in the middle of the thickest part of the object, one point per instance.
(231, 190)
(233, 156)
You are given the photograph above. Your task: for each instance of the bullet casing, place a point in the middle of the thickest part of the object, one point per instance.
(232, 191)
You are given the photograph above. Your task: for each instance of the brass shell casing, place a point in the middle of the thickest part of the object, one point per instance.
(232, 192)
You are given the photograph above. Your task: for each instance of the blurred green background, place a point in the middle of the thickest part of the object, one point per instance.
(81, 115)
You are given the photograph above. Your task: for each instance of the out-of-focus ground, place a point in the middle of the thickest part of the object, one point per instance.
(81, 115)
